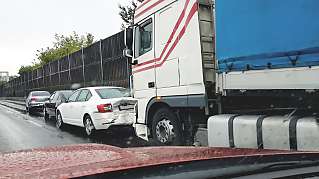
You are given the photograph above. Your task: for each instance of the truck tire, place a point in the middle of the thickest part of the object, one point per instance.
(166, 128)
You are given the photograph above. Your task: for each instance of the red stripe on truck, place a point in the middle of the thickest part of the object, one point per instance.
(180, 35)
(181, 17)
(143, 4)
(148, 8)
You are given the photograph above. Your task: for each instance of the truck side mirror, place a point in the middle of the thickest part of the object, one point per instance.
(128, 38)
(127, 53)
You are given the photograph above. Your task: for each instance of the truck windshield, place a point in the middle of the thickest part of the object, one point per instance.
(108, 93)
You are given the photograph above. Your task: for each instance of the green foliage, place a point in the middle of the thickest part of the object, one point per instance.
(62, 46)
(127, 13)
(24, 69)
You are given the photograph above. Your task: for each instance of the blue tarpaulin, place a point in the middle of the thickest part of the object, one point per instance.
(261, 34)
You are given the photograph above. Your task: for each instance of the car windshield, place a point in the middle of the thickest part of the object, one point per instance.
(66, 94)
(40, 93)
(108, 93)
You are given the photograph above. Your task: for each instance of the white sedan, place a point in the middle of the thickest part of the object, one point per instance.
(97, 108)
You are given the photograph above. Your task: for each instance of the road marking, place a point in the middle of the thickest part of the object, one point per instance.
(34, 123)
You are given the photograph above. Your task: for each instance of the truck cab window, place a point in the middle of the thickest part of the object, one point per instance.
(143, 36)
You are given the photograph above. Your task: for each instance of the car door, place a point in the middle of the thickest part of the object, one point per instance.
(80, 107)
(67, 109)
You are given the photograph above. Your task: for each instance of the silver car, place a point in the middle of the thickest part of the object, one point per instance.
(35, 100)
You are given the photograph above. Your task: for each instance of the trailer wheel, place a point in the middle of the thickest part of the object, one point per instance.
(166, 128)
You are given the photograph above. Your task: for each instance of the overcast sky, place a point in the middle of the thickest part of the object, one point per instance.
(26, 26)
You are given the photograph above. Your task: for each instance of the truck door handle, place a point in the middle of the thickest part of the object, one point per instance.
(151, 85)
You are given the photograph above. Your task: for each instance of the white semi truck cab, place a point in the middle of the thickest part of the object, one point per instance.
(243, 69)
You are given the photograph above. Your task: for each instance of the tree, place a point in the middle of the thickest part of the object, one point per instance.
(127, 13)
(24, 69)
(62, 46)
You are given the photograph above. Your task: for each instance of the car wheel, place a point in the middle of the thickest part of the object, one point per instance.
(45, 115)
(89, 126)
(59, 121)
(30, 110)
(166, 129)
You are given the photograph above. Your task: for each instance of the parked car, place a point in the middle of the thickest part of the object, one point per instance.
(35, 100)
(57, 98)
(97, 108)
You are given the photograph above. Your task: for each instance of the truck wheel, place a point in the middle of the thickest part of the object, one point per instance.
(166, 129)
(89, 127)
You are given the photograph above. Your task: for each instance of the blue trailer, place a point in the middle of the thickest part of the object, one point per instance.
(267, 46)
(235, 58)
(266, 34)
(267, 84)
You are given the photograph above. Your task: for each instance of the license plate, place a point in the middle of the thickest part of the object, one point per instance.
(128, 107)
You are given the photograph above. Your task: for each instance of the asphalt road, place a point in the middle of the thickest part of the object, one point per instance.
(19, 130)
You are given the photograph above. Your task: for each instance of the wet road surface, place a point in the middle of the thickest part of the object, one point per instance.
(19, 130)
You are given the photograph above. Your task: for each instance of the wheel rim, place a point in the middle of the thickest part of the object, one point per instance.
(165, 131)
(59, 121)
(88, 126)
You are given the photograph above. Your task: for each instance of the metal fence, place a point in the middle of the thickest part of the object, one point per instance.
(102, 63)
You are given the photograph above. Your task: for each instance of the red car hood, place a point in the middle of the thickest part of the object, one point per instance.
(88, 159)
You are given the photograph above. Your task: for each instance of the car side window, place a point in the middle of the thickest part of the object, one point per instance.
(73, 97)
(58, 99)
(55, 98)
(52, 96)
(88, 96)
(82, 96)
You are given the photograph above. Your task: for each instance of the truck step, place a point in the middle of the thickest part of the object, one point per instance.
(264, 132)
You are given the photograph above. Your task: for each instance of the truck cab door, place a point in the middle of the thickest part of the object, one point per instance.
(144, 71)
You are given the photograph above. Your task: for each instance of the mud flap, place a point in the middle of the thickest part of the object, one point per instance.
(141, 131)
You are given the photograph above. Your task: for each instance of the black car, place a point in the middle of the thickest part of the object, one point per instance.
(57, 98)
